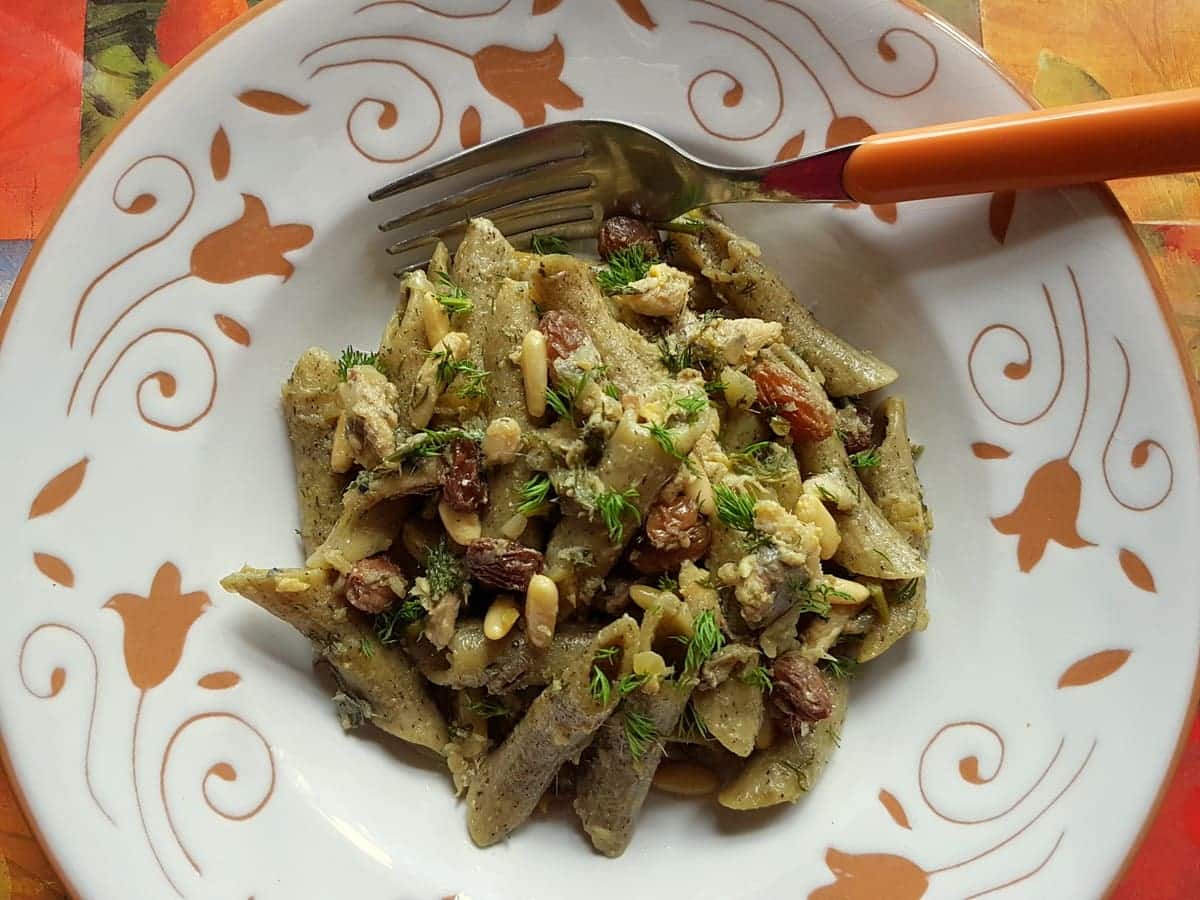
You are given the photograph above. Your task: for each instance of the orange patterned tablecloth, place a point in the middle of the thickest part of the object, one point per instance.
(69, 69)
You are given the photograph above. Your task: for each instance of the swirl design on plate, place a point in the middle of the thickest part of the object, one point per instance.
(734, 92)
(1018, 370)
(866, 876)
(57, 681)
(1140, 454)
(142, 202)
(165, 381)
(223, 770)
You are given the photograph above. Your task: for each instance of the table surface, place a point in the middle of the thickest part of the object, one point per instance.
(54, 110)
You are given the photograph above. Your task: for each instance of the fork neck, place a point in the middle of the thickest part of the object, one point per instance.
(817, 177)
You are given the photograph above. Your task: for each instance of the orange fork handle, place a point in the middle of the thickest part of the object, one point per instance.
(1154, 134)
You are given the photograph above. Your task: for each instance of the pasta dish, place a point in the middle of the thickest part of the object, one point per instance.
(582, 527)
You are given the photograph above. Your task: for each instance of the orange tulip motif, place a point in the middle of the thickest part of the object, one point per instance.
(1048, 511)
(156, 626)
(248, 247)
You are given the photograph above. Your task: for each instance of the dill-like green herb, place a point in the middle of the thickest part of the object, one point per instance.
(452, 297)
(706, 640)
(668, 583)
(473, 378)
(693, 405)
(675, 355)
(351, 358)
(614, 506)
(917, 450)
(665, 440)
(366, 647)
(907, 591)
(613, 391)
(534, 494)
(691, 724)
(391, 622)
(735, 508)
(607, 653)
(444, 571)
(760, 676)
(887, 560)
(627, 684)
(765, 460)
(814, 596)
(824, 494)
(841, 667)
(599, 686)
(541, 244)
(561, 405)
(434, 441)
(716, 386)
(866, 459)
(487, 708)
(626, 265)
(640, 733)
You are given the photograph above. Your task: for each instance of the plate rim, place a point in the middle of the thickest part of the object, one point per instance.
(1103, 190)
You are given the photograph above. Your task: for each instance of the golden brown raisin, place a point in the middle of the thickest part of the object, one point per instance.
(801, 404)
(373, 583)
(623, 232)
(501, 564)
(800, 693)
(564, 334)
(674, 533)
(463, 485)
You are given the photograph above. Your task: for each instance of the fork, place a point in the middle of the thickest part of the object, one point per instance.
(568, 177)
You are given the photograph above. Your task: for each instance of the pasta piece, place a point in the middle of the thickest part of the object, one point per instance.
(403, 347)
(581, 552)
(788, 769)
(386, 685)
(618, 769)
(558, 726)
(369, 518)
(565, 283)
(740, 277)
(512, 315)
(509, 664)
(894, 486)
(870, 545)
(732, 711)
(482, 263)
(310, 409)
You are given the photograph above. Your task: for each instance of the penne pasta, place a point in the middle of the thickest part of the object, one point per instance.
(557, 727)
(789, 769)
(739, 276)
(310, 410)
(382, 680)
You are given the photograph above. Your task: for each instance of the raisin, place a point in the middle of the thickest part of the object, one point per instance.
(501, 564)
(803, 405)
(623, 232)
(855, 427)
(564, 334)
(373, 583)
(800, 692)
(463, 485)
(674, 534)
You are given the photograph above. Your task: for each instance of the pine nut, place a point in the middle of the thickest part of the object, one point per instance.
(645, 596)
(463, 527)
(857, 593)
(686, 779)
(501, 441)
(541, 610)
(514, 527)
(534, 363)
(500, 617)
(810, 509)
(341, 455)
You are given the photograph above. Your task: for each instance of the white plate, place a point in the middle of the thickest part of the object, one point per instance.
(171, 739)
